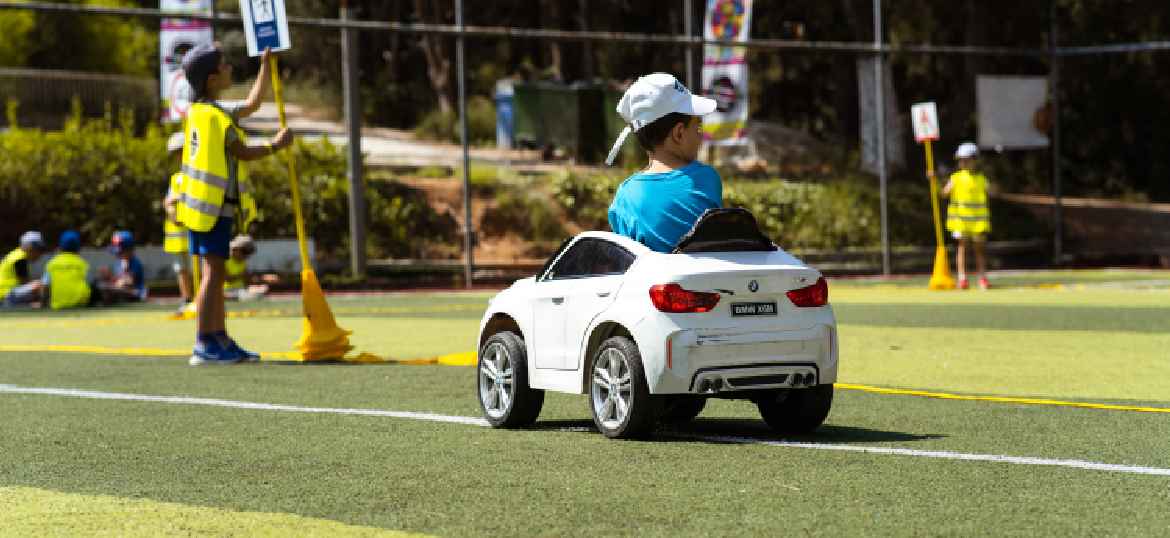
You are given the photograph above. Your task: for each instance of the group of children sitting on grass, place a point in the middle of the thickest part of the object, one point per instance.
(67, 280)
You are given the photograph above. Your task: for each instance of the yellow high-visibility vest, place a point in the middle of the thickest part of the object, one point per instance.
(235, 274)
(968, 212)
(205, 170)
(175, 235)
(8, 277)
(68, 287)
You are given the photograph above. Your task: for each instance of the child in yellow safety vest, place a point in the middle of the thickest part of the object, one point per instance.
(216, 188)
(67, 282)
(968, 214)
(237, 284)
(175, 235)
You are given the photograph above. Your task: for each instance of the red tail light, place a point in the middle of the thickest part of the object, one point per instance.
(673, 298)
(814, 295)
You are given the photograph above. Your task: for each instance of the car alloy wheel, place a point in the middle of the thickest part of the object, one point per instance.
(612, 390)
(497, 388)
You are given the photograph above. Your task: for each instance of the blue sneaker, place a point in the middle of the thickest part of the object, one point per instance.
(208, 352)
(243, 354)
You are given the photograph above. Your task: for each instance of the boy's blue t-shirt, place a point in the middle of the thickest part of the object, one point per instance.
(658, 209)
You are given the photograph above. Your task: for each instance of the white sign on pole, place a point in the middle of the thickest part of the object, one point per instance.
(265, 26)
(1013, 111)
(177, 36)
(924, 116)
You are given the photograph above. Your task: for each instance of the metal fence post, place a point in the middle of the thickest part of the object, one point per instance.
(880, 112)
(1054, 89)
(353, 128)
(468, 237)
(688, 14)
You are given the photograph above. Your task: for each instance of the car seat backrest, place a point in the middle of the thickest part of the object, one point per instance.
(731, 229)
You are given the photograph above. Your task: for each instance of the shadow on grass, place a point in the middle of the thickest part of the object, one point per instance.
(738, 431)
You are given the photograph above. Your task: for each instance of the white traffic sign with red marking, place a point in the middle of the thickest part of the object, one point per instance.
(924, 117)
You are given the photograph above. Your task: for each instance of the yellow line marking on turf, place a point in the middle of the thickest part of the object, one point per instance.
(1001, 399)
(241, 314)
(26, 511)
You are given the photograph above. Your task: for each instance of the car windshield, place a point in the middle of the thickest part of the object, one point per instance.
(589, 257)
(725, 230)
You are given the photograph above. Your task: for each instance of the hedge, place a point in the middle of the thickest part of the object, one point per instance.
(97, 176)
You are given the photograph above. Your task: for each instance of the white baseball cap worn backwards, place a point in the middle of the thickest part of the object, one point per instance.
(966, 150)
(652, 97)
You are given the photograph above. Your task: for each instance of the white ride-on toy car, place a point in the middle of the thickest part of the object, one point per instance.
(651, 336)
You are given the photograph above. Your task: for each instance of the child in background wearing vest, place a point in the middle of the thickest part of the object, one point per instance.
(175, 242)
(16, 285)
(968, 214)
(216, 186)
(66, 280)
(236, 285)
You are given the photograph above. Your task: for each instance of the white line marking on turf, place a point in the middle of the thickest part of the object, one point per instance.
(474, 421)
(186, 400)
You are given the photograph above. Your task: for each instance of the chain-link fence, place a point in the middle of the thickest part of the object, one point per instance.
(813, 100)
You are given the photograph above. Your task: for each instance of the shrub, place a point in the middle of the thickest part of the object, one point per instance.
(586, 198)
(96, 176)
(481, 123)
(524, 211)
(810, 215)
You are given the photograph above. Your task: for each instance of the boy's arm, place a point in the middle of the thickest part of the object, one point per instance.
(244, 152)
(259, 88)
(946, 190)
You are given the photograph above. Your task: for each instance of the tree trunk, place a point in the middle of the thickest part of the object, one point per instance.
(553, 11)
(587, 46)
(436, 51)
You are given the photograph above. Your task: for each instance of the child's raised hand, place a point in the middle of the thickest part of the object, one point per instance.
(283, 138)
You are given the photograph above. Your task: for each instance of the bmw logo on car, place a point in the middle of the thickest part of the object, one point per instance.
(753, 286)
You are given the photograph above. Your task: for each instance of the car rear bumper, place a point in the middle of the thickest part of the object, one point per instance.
(698, 361)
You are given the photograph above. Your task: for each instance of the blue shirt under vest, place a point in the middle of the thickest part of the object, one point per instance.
(658, 209)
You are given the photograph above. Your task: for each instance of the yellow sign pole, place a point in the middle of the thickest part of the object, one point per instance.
(940, 279)
(321, 338)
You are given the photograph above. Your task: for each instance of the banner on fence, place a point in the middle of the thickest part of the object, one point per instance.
(265, 26)
(725, 71)
(176, 36)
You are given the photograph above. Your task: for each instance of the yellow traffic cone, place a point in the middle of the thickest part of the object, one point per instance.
(941, 278)
(321, 338)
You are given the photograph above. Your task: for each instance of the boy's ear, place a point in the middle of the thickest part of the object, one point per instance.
(676, 132)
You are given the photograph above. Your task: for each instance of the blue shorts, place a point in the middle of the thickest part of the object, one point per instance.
(213, 242)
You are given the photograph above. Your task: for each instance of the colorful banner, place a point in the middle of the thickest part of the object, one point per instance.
(176, 37)
(725, 72)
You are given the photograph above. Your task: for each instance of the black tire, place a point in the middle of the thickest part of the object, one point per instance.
(682, 409)
(523, 402)
(639, 416)
(798, 411)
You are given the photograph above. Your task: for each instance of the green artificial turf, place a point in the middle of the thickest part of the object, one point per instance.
(1098, 341)
(458, 480)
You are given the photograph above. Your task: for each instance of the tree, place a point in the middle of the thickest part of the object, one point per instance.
(437, 53)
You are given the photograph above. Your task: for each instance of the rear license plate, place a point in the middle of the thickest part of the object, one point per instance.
(753, 309)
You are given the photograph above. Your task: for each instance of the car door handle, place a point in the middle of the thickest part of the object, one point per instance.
(603, 294)
(558, 300)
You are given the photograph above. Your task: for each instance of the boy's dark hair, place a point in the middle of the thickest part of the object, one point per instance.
(651, 135)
